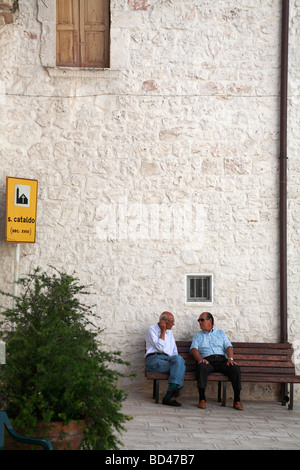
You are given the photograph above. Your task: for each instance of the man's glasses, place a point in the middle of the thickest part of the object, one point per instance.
(202, 319)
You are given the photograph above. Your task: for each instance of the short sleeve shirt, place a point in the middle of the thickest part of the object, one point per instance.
(214, 342)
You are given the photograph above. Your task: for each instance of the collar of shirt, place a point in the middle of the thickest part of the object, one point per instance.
(207, 332)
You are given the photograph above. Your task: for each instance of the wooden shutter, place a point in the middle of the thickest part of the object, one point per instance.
(67, 32)
(94, 33)
(82, 33)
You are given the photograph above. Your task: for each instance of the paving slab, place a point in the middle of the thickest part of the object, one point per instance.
(260, 426)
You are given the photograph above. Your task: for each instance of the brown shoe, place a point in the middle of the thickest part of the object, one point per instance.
(202, 404)
(237, 405)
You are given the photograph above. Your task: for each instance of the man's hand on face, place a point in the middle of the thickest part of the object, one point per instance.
(163, 325)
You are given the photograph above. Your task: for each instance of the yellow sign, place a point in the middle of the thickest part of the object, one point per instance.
(20, 217)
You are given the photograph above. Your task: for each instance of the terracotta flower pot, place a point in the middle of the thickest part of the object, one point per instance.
(62, 436)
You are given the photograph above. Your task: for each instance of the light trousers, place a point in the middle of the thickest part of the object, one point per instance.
(173, 365)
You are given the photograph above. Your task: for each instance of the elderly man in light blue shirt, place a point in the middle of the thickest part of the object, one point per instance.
(162, 356)
(213, 352)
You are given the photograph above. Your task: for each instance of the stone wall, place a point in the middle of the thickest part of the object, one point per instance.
(8, 12)
(164, 165)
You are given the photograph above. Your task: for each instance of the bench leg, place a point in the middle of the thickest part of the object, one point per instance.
(284, 394)
(224, 394)
(220, 386)
(156, 390)
(291, 402)
(219, 391)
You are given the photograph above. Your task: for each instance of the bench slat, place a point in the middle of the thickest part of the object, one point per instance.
(244, 344)
(260, 351)
(253, 358)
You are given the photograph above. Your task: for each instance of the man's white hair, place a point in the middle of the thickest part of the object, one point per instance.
(165, 316)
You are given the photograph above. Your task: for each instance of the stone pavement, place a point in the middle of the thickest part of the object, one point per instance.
(260, 426)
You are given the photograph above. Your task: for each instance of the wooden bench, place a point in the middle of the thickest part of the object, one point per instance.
(259, 362)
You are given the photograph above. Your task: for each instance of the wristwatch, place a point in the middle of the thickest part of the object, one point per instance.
(230, 359)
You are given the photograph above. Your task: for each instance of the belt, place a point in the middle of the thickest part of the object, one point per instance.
(214, 357)
(157, 354)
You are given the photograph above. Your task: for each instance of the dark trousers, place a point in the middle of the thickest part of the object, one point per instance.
(219, 364)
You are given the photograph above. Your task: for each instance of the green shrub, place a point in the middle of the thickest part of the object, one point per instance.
(56, 368)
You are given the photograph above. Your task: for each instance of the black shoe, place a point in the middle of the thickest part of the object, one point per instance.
(177, 392)
(165, 401)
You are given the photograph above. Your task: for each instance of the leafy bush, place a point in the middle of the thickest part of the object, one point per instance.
(56, 368)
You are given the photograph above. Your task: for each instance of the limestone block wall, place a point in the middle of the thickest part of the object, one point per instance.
(164, 165)
(8, 12)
